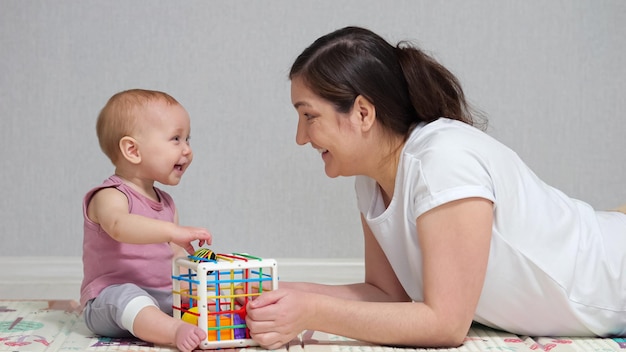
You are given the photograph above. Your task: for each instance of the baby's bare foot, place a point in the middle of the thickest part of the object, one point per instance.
(188, 337)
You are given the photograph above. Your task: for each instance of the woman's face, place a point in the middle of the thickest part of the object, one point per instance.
(335, 135)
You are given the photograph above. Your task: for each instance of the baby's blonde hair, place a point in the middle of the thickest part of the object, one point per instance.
(120, 117)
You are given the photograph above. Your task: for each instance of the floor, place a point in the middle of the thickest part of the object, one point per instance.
(50, 326)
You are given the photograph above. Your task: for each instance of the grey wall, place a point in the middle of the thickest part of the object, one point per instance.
(549, 74)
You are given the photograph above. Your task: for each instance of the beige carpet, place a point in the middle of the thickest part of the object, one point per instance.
(49, 326)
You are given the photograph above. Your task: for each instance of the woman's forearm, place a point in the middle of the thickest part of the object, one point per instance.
(356, 291)
(387, 323)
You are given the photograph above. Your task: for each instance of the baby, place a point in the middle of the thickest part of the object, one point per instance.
(131, 230)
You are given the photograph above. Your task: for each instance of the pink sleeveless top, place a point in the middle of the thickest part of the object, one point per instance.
(108, 262)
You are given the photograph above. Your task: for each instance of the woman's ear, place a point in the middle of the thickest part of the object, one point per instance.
(130, 149)
(366, 112)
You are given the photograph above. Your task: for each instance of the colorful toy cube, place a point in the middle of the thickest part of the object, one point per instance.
(211, 291)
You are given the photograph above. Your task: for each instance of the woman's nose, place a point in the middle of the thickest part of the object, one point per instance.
(302, 136)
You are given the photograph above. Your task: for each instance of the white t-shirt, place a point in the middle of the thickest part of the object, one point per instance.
(556, 267)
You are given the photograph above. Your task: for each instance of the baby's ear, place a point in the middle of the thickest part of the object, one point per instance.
(130, 149)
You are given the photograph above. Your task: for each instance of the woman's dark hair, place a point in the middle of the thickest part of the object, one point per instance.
(406, 85)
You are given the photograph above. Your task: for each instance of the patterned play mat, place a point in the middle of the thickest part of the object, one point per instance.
(49, 326)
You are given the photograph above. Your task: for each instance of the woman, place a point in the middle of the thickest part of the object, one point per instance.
(456, 227)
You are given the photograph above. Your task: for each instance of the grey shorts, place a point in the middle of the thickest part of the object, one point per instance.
(113, 312)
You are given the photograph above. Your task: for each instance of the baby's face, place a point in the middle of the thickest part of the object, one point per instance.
(163, 142)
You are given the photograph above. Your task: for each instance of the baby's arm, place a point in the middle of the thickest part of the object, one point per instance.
(109, 208)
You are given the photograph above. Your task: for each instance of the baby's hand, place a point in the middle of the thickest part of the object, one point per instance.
(187, 234)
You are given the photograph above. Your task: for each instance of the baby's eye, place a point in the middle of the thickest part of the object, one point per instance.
(176, 138)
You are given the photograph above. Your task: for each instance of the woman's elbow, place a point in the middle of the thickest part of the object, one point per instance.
(446, 335)
(451, 335)
(453, 339)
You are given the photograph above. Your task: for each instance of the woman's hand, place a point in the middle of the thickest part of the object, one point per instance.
(277, 317)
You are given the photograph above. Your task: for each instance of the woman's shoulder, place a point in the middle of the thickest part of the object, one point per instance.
(448, 135)
(446, 152)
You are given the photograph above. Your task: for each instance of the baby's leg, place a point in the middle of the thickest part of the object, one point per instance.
(125, 310)
(152, 325)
